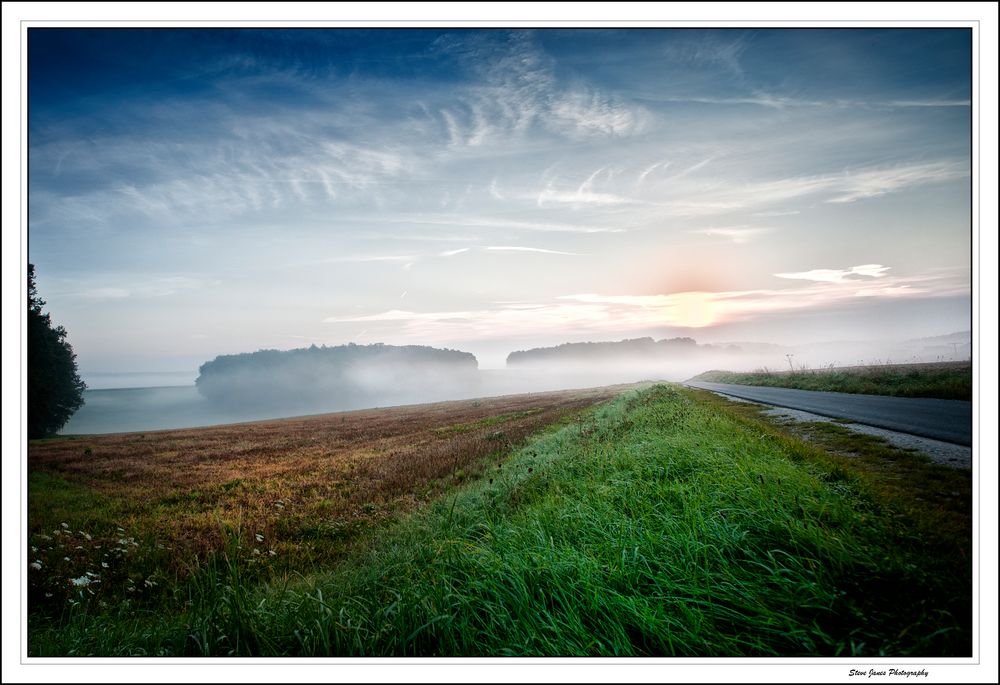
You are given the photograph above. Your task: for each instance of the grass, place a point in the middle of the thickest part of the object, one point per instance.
(943, 380)
(305, 486)
(666, 522)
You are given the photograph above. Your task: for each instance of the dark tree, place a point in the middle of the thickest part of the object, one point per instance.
(55, 390)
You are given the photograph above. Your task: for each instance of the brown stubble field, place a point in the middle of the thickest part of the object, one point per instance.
(130, 507)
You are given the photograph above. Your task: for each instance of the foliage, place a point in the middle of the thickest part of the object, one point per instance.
(632, 350)
(55, 389)
(657, 525)
(943, 380)
(303, 376)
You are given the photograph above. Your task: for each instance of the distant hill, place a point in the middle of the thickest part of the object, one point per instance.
(632, 351)
(345, 375)
(949, 338)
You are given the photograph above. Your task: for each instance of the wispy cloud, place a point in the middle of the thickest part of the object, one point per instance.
(735, 234)
(777, 212)
(514, 248)
(585, 193)
(774, 101)
(650, 169)
(839, 275)
(876, 182)
(505, 224)
(520, 91)
(102, 293)
(723, 51)
(838, 188)
(132, 287)
(618, 314)
(371, 258)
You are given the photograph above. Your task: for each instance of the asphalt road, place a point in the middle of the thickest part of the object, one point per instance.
(948, 420)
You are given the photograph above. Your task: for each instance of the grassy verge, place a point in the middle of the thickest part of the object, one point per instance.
(661, 524)
(947, 380)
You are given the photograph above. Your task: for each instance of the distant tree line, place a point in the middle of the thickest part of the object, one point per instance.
(635, 349)
(321, 374)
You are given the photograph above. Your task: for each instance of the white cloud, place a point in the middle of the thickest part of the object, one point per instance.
(126, 287)
(773, 101)
(876, 182)
(103, 293)
(777, 212)
(371, 258)
(838, 275)
(505, 224)
(650, 169)
(530, 249)
(616, 314)
(518, 90)
(736, 234)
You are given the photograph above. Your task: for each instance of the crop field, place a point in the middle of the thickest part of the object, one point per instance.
(135, 510)
(648, 520)
(943, 380)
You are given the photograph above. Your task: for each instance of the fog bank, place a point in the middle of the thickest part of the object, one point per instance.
(277, 384)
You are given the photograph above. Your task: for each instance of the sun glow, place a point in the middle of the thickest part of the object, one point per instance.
(692, 310)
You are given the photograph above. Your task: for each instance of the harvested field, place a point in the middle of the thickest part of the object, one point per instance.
(292, 490)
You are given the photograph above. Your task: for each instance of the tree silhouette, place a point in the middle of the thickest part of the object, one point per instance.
(55, 390)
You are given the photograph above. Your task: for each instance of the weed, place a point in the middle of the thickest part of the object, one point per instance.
(946, 380)
(664, 523)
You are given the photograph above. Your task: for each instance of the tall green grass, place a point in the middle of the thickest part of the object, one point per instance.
(657, 526)
(943, 380)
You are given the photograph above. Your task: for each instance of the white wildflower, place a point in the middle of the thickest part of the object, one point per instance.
(104, 564)
(82, 581)
(260, 538)
(37, 565)
(34, 549)
(271, 552)
(149, 583)
(64, 525)
(256, 551)
(85, 536)
(66, 559)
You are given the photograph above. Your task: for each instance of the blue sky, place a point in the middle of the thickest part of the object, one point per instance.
(201, 192)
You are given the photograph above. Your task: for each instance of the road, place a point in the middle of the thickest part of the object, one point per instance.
(948, 420)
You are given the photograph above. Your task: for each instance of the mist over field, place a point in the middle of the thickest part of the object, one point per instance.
(274, 384)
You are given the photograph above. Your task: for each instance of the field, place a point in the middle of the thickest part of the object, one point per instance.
(663, 522)
(943, 380)
(303, 486)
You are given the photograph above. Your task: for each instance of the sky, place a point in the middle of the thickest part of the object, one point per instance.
(196, 192)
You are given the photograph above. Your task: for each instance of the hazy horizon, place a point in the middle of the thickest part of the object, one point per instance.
(194, 193)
